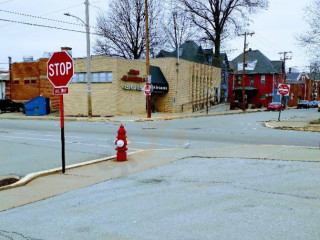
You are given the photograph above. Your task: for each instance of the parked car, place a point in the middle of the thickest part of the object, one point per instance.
(6, 105)
(313, 104)
(275, 106)
(303, 104)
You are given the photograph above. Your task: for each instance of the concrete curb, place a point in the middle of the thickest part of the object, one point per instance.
(32, 176)
(162, 118)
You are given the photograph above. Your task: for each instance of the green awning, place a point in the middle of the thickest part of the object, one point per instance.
(158, 81)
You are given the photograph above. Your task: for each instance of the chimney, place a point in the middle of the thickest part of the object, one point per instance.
(290, 69)
(250, 49)
(68, 50)
(10, 61)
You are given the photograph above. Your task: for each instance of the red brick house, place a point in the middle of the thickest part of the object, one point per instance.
(261, 77)
(303, 86)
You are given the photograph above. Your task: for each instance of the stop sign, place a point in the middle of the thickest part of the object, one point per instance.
(147, 90)
(284, 89)
(60, 69)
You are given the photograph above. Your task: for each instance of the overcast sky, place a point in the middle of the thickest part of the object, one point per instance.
(275, 29)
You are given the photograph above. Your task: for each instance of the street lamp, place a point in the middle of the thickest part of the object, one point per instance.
(86, 24)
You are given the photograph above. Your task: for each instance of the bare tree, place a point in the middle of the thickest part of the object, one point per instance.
(219, 19)
(310, 39)
(122, 30)
(177, 26)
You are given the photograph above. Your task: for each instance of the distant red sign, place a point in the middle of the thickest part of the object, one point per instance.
(147, 90)
(60, 69)
(284, 89)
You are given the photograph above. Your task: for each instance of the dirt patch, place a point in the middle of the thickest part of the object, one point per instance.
(8, 181)
(315, 122)
(309, 128)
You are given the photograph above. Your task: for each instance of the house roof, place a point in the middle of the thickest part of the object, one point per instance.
(189, 50)
(278, 66)
(258, 62)
(292, 77)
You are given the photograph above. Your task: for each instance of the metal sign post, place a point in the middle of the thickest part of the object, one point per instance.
(62, 135)
(60, 70)
(283, 90)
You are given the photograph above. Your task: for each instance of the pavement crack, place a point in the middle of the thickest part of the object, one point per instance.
(276, 193)
(14, 235)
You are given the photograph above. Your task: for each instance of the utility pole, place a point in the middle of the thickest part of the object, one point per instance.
(147, 59)
(88, 61)
(284, 58)
(244, 69)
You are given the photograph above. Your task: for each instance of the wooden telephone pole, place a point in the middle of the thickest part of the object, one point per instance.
(147, 60)
(244, 70)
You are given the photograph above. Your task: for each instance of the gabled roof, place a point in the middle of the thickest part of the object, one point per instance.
(258, 62)
(163, 53)
(189, 50)
(278, 66)
(292, 77)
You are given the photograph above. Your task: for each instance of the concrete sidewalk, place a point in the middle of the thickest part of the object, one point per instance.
(47, 184)
(297, 123)
(221, 109)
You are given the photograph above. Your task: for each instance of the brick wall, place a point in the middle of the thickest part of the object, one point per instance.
(29, 80)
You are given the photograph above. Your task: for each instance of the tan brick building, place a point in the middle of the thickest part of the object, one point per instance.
(117, 86)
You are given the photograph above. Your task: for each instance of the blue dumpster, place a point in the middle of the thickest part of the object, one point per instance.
(38, 106)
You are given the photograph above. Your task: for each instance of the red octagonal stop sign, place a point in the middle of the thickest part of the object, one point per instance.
(284, 89)
(60, 69)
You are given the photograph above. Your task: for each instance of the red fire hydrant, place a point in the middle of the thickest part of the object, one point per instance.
(121, 143)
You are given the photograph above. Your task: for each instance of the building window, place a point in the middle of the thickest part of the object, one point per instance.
(27, 81)
(263, 97)
(96, 77)
(16, 81)
(251, 80)
(33, 81)
(263, 79)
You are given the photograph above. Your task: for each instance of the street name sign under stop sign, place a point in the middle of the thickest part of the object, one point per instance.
(284, 89)
(60, 69)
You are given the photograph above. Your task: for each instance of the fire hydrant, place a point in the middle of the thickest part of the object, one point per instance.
(121, 142)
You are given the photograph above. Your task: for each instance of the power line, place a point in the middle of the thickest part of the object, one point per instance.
(47, 26)
(44, 18)
(6, 2)
(40, 25)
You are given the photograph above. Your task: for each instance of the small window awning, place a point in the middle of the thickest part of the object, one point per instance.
(247, 88)
(158, 81)
(4, 77)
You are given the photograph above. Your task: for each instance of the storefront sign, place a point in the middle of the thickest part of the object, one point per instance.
(136, 88)
(159, 88)
(133, 76)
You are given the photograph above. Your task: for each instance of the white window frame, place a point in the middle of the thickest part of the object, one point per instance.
(96, 77)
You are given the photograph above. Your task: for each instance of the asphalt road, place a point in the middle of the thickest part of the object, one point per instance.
(28, 146)
(194, 198)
